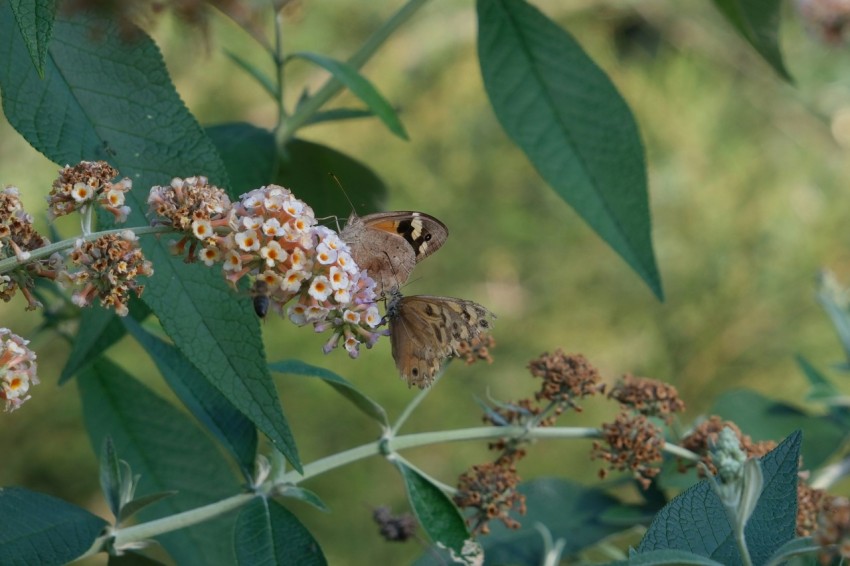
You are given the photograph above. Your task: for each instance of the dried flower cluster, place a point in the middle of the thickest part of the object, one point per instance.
(477, 350)
(108, 269)
(833, 530)
(490, 490)
(86, 183)
(631, 443)
(706, 434)
(272, 238)
(18, 238)
(17, 369)
(394, 528)
(566, 379)
(810, 503)
(649, 397)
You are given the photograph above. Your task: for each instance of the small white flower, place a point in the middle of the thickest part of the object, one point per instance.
(292, 280)
(320, 288)
(273, 253)
(81, 192)
(325, 255)
(339, 278)
(210, 255)
(372, 316)
(202, 229)
(232, 261)
(248, 240)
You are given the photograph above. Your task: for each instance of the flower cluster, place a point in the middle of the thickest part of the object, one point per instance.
(18, 238)
(810, 503)
(17, 369)
(272, 239)
(566, 378)
(648, 397)
(394, 528)
(706, 434)
(86, 183)
(631, 443)
(833, 530)
(108, 268)
(490, 490)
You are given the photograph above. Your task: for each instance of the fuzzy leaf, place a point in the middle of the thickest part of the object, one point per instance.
(136, 120)
(40, 529)
(168, 451)
(566, 115)
(267, 533)
(35, 22)
(758, 22)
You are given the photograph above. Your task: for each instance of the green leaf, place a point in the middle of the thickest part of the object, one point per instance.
(434, 510)
(796, 547)
(763, 418)
(133, 559)
(342, 386)
(139, 503)
(110, 476)
(207, 404)
(304, 495)
(576, 514)
(35, 22)
(250, 157)
(338, 115)
(568, 118)
(151, 137)
(658, 557)
(772, 524)
(169, 452)
(306, 169)
(266, 533)
(259, 76)
(758, 22)
(40, 529)
(360, 87)
(99, 329)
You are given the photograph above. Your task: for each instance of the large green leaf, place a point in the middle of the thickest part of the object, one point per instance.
(758, 22)
(169, 451)
(267, 533)
(435, 511)
(209, 406)
(35, 20)
(305, 168)
(360, 87)
(40, 529)
(106, 98)
(763, 418)
(569, 511)
(696, 521)
(567, 116)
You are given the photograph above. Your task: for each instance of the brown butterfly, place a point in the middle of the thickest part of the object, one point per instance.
(389, 244)
(426, 330)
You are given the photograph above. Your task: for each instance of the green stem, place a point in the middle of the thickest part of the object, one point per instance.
(405, 414)
(11, 263)
(279, 64)
(332, 86)
(145, 531)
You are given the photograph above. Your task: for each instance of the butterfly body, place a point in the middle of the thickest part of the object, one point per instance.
(425, 330)
(389, 244)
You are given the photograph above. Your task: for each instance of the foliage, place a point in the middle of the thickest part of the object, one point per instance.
(83, 86)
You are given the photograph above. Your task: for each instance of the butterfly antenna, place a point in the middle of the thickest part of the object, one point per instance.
(345, 194)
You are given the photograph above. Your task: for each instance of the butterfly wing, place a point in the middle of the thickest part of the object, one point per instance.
(426, 330)
(389, 244)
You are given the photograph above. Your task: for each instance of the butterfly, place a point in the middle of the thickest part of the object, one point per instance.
(426, 330)
(389, 244)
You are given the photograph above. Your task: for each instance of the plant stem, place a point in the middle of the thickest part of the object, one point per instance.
(332, 86)
(11, 263)
(144, 531)
(405, 414)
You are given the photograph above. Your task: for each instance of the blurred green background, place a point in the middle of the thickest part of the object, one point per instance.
(742, 171)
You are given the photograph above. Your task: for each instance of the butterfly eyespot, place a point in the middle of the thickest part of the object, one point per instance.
(427, 237)
(429, 310)
(414, 372)
(484, 323)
